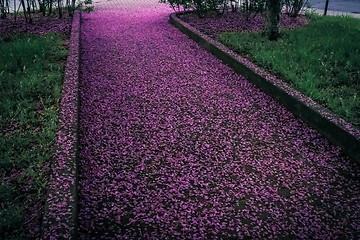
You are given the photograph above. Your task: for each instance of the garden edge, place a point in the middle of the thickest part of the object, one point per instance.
(335, 129)
(61, 206)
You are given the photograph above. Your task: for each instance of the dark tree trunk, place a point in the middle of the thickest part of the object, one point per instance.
(42, 6)
(24, 9)
(33, 4)
(68, 6)
(273, 12)
(2, 9)
(60, 10)
(29, 11)
(15, 12)
(50, 7)
(73, 6)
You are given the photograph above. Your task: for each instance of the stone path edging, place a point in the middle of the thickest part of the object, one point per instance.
(61, 207)
(335, 129)
(337, 13)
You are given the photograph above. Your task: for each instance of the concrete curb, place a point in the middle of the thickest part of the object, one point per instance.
(61, 207)
(335, 129)
(335, 13)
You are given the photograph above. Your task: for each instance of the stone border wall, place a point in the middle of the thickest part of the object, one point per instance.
(335, 129)
(61, 207)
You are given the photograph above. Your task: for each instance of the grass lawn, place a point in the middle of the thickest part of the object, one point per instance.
(31, 77)
(321, 60)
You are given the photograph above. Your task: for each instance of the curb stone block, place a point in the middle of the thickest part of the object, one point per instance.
(61, 206)
(333, 128)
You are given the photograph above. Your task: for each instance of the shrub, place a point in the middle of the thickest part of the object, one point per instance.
(294, 7)
(202, 7)
(249, 7)
(253, 7)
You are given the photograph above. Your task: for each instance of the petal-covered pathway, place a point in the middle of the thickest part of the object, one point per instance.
(175, 145)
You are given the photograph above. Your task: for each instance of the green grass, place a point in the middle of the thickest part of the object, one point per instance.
(321, 60)
(31, 77)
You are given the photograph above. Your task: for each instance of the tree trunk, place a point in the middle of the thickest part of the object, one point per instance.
(2, 9)
(15, 12)
(29, 11)
(24, 9)
(42, 6)
(73, 6)
(60, 8)
(50, 7)
(34, 7)
(273, 12)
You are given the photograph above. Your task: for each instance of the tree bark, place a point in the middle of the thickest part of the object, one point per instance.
(273, 12)
(50, 7)
(60, 8)
(29, 11)
(2, 9)
(73, 5)
(24, 9)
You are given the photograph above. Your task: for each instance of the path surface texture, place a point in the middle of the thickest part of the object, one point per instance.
(175, 145)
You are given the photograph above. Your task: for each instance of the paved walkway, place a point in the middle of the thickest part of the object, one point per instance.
(175, 145)
(345, 6)
(337, 7)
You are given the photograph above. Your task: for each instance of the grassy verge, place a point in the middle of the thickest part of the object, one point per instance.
(31, 76)
(321, 60)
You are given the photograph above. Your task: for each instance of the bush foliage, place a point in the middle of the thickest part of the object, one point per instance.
(45, 7)
(249, 7)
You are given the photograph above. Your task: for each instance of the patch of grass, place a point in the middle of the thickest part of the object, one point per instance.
(321, 60)
(31, 77)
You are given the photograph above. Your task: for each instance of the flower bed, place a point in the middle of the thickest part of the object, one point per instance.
(213, 25)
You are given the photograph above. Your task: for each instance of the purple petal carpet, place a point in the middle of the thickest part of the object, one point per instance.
(175, 145)
(40, 25)
(214, 24)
